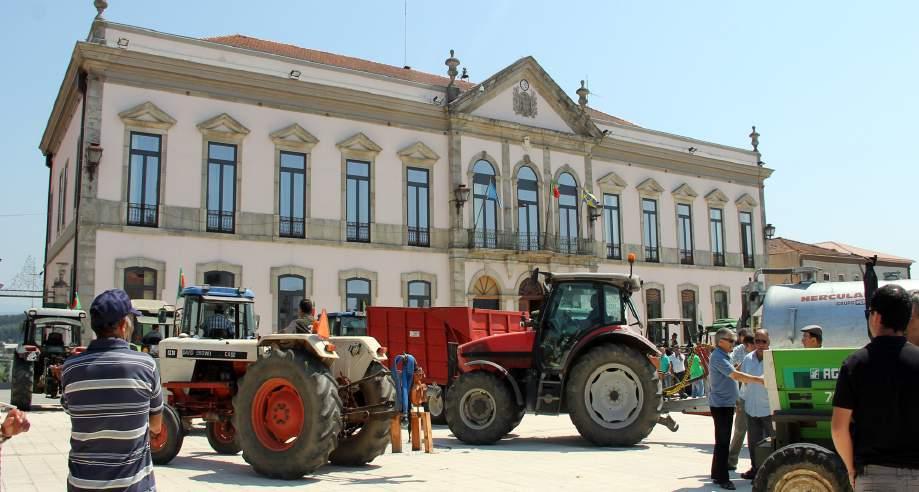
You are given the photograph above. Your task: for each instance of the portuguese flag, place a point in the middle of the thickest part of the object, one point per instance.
(555, 191)
(75, 304)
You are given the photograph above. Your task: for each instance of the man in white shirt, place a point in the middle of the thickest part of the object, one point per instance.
(756, 401)
(678, 367)
(744, 347)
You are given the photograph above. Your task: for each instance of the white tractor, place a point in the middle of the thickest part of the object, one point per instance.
(290, 402)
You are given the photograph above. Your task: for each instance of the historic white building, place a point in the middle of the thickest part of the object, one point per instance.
(295, 172)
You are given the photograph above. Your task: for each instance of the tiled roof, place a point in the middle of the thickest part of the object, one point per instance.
(255, 44)
(866, 253)
(781, 245)
(601, 116)
(348, 62)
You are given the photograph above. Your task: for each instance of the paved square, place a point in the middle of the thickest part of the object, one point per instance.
(544, 453)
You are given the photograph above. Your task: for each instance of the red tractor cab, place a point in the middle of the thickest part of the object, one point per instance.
(584, 355)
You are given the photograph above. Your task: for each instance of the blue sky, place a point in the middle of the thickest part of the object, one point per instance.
(831, 86)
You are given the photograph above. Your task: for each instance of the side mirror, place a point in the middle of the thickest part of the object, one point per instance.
(161, 316)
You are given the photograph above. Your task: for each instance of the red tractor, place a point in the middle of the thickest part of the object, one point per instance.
(584, 355)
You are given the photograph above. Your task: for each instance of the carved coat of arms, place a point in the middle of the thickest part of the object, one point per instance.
(524, 103)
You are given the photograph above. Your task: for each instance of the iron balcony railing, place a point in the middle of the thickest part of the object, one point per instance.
(219, 221)
(140, 214)
(748, 261)
(419, 236)
(718, 259)
(652, 255)
(686, 257)
(613, 251)
(291, 227)
(517, 241)
(358, 232)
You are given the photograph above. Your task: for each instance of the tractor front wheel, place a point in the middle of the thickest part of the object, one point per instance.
(360, 443)
(166, 445)
(23, 379)
(613, 396)
(481, 408)
(222, 437)
(802, 467)
(287, 414)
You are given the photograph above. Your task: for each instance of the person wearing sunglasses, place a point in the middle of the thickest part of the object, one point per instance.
(722, 400)
(874, 424)
(756, 401)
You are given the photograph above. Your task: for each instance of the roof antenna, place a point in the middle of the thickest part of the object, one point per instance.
(405, 35)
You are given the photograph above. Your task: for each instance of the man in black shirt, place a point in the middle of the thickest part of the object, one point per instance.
(874, 427)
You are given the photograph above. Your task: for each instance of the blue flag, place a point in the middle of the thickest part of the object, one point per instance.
(492, 192)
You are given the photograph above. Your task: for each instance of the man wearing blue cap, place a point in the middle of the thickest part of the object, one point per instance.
(114, 398)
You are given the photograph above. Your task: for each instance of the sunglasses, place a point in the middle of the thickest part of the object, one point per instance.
(763, 342)
(732, 340)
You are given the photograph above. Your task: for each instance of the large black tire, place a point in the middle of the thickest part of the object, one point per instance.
(360, 444)
(222, 437)
(481, 408)
(174, 437)
(285, 383)
(613, 396)
(21, 389)
(521, 411)
(802, 466)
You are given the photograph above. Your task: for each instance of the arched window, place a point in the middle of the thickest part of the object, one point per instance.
(531, 295)
(419, 293)
(653, 311)
(484, 205)
(486, 294)
(527, 210)
(219, 278)
(140, 282)
(291, 289)
(721, 304)
(567, 214)
(688, 309)
(357, 294)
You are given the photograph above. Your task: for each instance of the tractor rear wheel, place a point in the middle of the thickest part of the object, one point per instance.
(222, 437)
(21, 389)
(360, 443)
(481, 408)
(166, 445)
(802, 467)
(287, 414)
(613, 396)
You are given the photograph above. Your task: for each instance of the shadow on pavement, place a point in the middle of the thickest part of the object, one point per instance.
(513, 442)
(706, 484)
(222, 472)
(704, 448)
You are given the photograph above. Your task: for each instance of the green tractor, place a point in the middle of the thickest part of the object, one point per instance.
(801, 456)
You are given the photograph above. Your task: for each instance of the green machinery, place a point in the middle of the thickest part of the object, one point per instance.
(801, 383)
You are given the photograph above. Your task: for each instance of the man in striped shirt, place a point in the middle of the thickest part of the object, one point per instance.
(114, 399)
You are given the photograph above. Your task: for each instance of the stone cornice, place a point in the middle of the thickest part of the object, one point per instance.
(294, 137)
(147, 115)
(418, 153)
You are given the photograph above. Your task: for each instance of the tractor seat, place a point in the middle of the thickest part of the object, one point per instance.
(56, 339)
(219, 333)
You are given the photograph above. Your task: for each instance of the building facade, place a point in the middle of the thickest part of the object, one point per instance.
(298, 173)
(836, 262)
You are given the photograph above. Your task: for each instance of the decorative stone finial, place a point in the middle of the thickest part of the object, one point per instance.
(754, 139)
(100, 5)
(452, 63)
(582, 95)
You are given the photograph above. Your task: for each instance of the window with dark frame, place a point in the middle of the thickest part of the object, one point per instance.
(140, 282)
(688, 309)
(746, 238)
(144, 180)
(358, 201)
(61, 198)
(612, 227)
(419, 293)
(684, 232)
(527, 210)
(418, 206)
(220, 278)
(484, 205)
(568, 227)
(292, 195)
(357, 294)
(291, 290)
(721, 305)
(221, 187)
(649, 217)
(716, 220)
(653, 299)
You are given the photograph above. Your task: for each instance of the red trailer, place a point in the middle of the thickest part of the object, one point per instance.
(426, 332)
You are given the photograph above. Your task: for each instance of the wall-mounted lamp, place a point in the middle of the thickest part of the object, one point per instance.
(123, 42)
(93, 157)
(769, 230)
(460, 196)
(294, 74)
(594, 213)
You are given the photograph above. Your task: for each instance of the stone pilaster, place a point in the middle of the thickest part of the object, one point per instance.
(509, 200)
